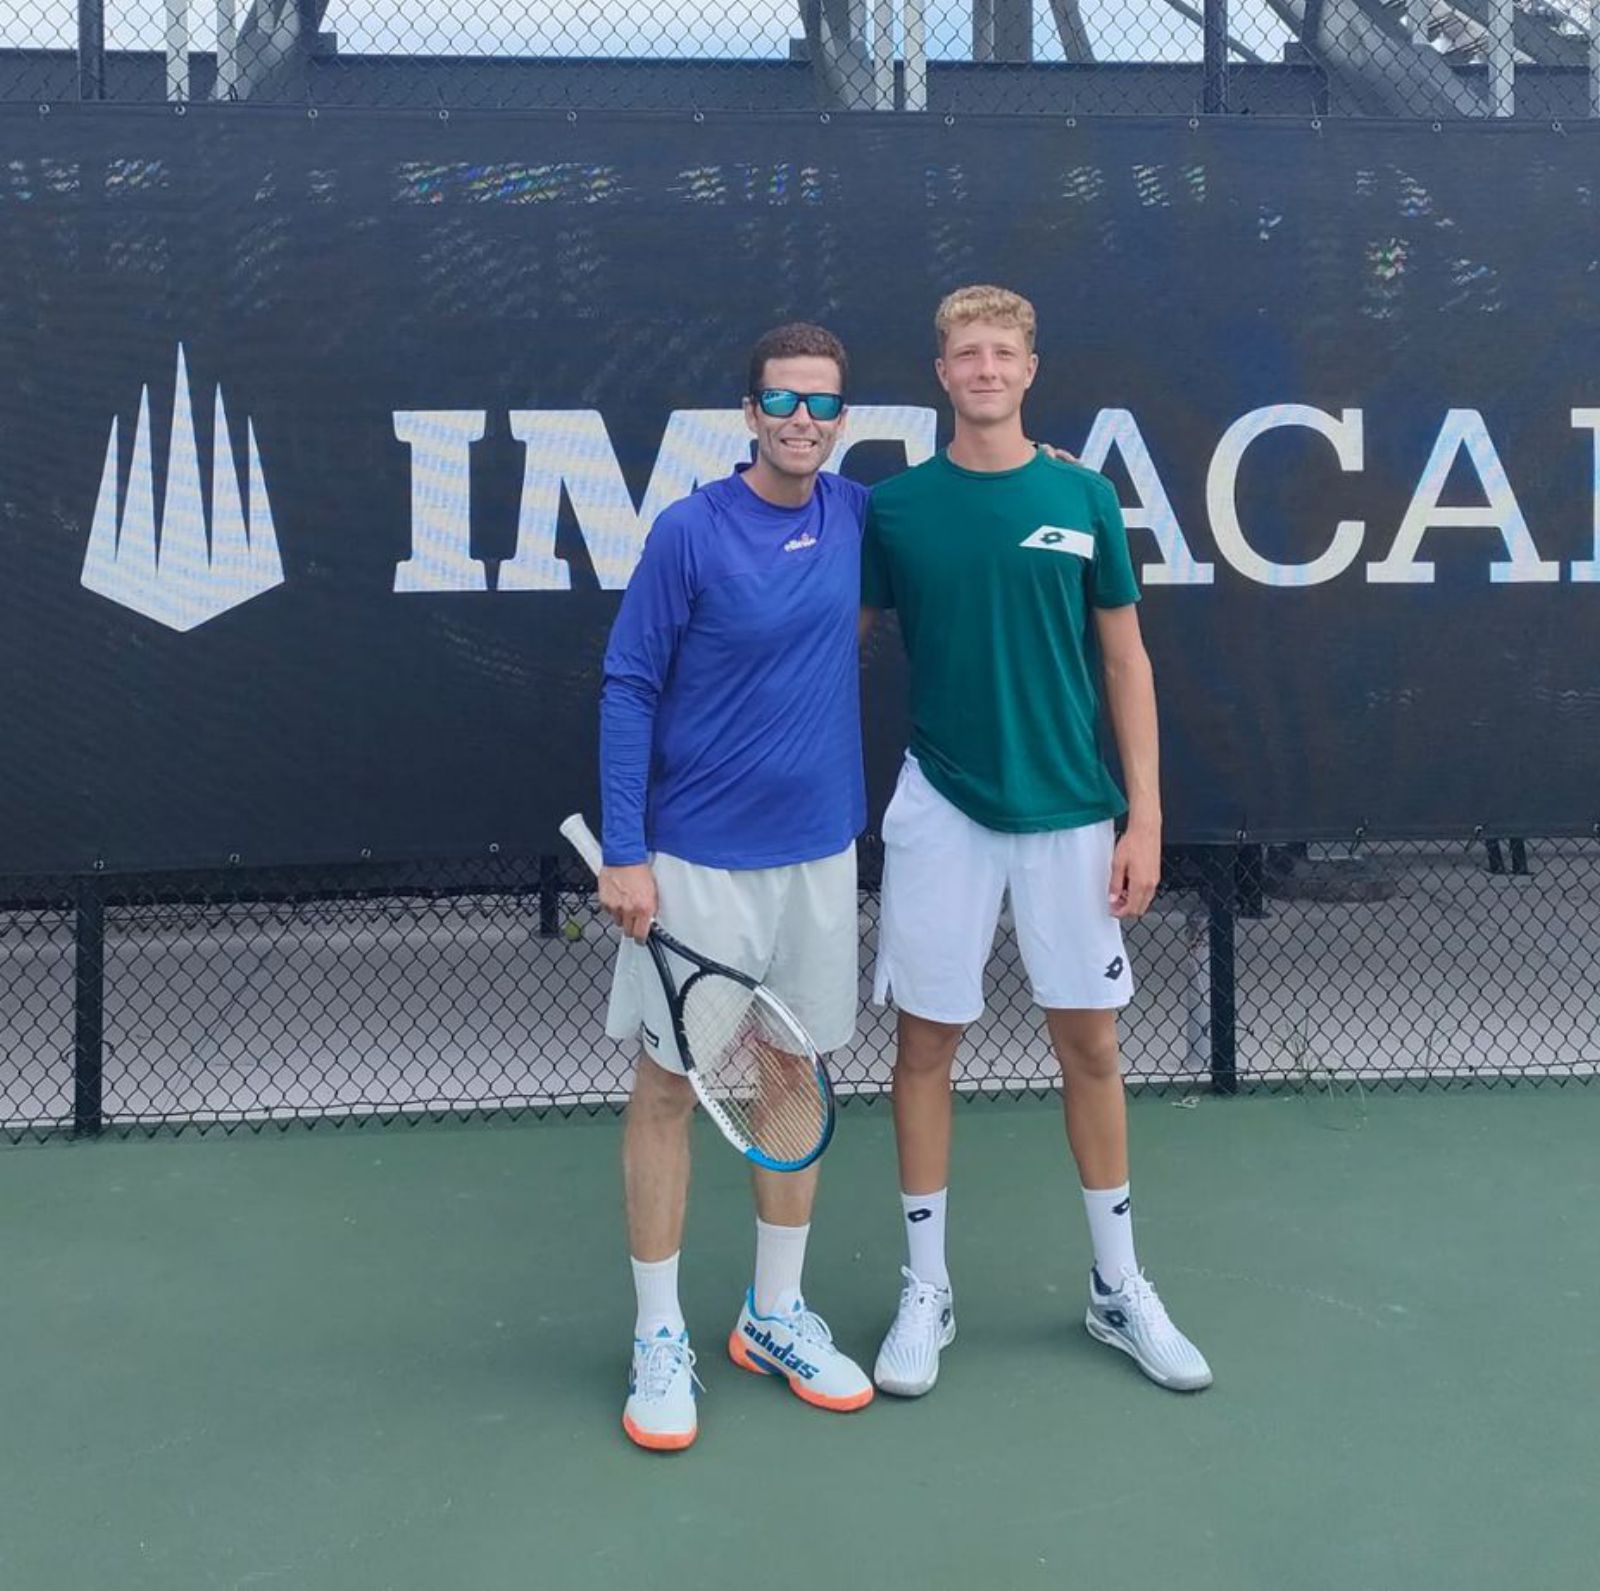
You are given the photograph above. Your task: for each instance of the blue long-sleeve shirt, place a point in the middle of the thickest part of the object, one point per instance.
(730, 718)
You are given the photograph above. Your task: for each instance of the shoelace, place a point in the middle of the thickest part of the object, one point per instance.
(919, 1300)
(660, 1362)
(809, 1326)
(1145, 1300)
(919, 1295)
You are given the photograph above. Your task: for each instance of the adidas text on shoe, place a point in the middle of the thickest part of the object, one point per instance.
(1132, 1317)
(908, 1361)
(660, 1412)
(799, 1347)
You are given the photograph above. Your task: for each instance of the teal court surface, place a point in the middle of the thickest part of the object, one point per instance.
(394, 1358)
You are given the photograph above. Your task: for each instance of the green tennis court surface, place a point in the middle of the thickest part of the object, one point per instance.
(390, 1358)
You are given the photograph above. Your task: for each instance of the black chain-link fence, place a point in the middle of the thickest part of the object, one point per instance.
(1427, 58)
(252, 998)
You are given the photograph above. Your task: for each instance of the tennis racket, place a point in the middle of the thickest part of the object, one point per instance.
(750, 1062)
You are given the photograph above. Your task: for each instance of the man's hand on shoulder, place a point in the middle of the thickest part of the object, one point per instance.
(1060, 454)
(629, 895)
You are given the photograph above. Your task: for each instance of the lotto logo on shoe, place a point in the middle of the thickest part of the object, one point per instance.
(783, 1353)
(1055, 538)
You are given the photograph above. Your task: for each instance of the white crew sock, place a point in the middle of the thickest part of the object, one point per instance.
(924, 1213)
(655, 1285)
(1110, 1212)
(780, 1259)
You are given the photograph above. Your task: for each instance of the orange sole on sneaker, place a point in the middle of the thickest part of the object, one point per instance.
(817, 1400)
(659, 1441)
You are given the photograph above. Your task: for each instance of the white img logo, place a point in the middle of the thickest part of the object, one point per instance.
(166, 568)
(569, 456)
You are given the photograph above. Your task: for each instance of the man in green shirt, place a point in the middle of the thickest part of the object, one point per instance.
(1010, 572)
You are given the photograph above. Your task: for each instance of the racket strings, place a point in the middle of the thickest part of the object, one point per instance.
(755, 1067)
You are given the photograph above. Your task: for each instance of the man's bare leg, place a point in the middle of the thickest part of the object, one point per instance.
(660, 1411)
(775, 1334)
(923, 1062)
(924, 1324)
(1092, 1097)
(1124, 1311)
(784, 1199)
(655, 1161)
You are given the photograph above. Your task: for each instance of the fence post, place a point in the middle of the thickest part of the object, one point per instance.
(91, 49)
(1214, 36)
(89, 1010)
(1222, 895)
(549, 897)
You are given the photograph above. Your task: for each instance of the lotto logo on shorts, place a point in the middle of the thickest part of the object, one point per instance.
(1056, 538)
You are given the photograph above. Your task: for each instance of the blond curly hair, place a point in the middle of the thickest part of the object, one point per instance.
(983, 302)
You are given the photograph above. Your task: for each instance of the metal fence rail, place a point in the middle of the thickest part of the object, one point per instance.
(1427, 58)
(362, 993)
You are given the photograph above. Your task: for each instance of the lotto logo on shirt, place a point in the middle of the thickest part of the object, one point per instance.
(1054, 538)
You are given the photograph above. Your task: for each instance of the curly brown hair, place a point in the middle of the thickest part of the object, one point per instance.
(796, 340)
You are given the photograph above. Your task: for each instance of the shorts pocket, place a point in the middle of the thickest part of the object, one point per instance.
(896, 814)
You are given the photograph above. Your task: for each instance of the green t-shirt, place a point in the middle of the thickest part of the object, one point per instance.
(995, 575)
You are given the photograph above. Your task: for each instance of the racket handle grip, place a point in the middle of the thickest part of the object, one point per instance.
(581, 838)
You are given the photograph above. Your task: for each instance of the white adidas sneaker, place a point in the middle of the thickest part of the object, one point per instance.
(1132, 1317)
(660, 1411)
(908, 1361)
(799, 1347)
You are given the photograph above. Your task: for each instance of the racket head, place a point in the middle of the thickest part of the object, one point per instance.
(754, 1068)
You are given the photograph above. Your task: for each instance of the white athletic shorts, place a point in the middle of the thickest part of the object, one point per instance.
(795, 928)
(944, 878)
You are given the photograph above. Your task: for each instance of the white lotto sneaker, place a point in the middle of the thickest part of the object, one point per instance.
(908, 1361)
(1131, 1317)
(660, 1411)
(799, 1347)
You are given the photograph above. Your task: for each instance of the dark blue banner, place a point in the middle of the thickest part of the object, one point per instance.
(327, 442)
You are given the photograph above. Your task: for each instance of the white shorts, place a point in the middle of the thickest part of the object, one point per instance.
(944, 878)
(795, 928)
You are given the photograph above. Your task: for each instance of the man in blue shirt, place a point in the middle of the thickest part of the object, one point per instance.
(732, 793)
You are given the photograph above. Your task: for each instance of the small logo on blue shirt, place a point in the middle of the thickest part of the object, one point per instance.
(804, 539)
